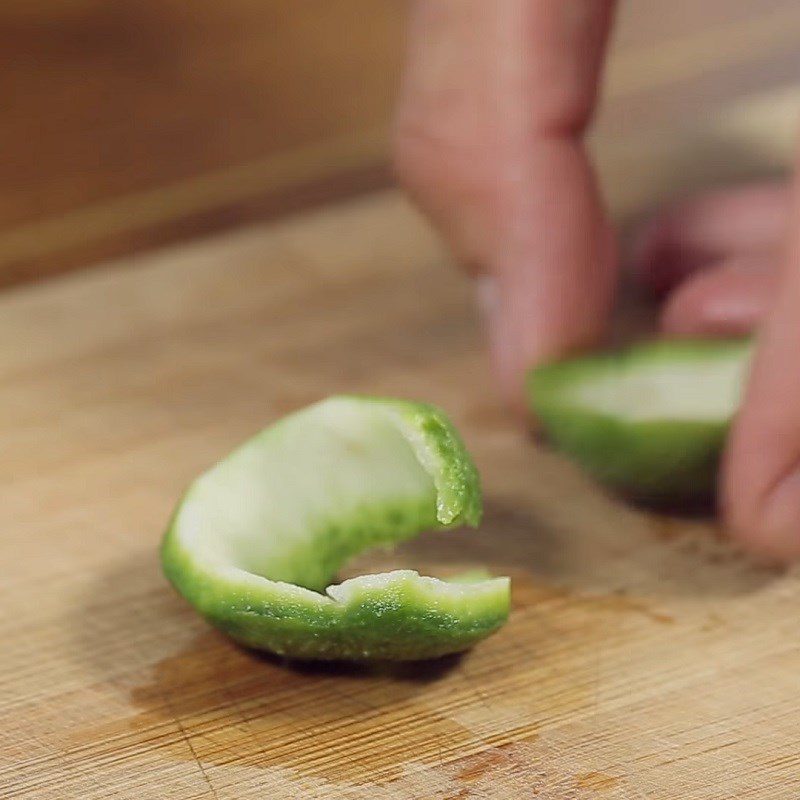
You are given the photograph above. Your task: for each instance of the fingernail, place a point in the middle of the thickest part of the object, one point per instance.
(486, 296)
(780, 518)
(504, 343)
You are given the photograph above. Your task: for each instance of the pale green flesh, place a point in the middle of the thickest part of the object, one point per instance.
(259, 536)
(693, 391)
(651, 420)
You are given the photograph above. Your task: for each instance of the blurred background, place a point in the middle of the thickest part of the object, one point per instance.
(132, 123)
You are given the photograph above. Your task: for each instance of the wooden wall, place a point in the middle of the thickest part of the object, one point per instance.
(131, 123)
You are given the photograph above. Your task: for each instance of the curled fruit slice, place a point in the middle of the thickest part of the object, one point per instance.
(650, 421)
(257, 538)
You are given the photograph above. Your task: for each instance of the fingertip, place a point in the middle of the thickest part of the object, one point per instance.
(682, 313)
(765, 524)
(764, 542)
(696, 231)
(725, 300)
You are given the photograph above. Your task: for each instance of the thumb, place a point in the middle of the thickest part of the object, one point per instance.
(761, 479)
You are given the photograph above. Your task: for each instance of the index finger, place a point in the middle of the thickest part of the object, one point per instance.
(496, 99)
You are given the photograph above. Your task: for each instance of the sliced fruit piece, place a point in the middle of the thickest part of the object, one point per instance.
(258, 537)
(651, 420)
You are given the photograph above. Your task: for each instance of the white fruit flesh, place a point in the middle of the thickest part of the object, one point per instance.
(258, 537)
(683, 390)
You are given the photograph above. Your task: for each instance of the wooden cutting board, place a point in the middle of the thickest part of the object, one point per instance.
(643, 658)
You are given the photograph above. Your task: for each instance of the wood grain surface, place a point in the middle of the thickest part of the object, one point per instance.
(643, 657)
(138, 122)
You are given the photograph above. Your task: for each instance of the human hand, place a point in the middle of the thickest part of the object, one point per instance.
(489, 142)
(723, 262)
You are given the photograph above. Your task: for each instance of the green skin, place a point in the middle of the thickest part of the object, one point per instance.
(658, 460)
(275, 604)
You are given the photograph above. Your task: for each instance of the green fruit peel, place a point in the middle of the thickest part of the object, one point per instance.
(257, 539)
(650, 421)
